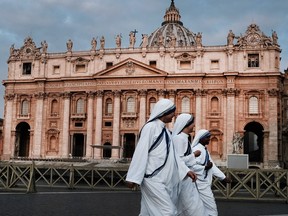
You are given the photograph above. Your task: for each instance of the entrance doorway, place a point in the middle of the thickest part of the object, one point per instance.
(22, 140)
(253, 141)
(107, 150)
(78, 145)
(129, 145)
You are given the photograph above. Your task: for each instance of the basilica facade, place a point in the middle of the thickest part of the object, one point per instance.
(91, 104)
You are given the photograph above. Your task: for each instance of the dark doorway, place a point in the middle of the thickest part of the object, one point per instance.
(253, 141)
(22, 140)
(107, 150)
(129, 145)
(78, 145)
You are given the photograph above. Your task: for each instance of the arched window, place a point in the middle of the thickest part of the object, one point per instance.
(80, 106)
(253, 105)
(54, 107)
(185, 105)
(25, 107)
(108, 106)
(152, 102)
(214, 104)
(130, 105)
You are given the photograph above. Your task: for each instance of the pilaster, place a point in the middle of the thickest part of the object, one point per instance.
(116, 125)
(98, 124)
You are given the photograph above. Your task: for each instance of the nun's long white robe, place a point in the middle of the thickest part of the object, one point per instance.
(159, 192)
(189, 202)
(204, 183)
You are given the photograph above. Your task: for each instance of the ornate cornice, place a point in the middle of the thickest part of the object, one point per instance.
(231, 92)
(273, 92)
(9, 96)
(40, 95)
(117, 93)
(142, 92)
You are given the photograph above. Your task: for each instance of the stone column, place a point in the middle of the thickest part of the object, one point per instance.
(230, 119)
(38, 123)
(89, 139)
(266, 149)
(172, 94)
(272, 147)
(66, 125)
(224, 137)
(142, 108)
(8, 116)
(198, 111)
(204, 110)
(98, 124)
(121, 145)
(116, 125)
(161, 93)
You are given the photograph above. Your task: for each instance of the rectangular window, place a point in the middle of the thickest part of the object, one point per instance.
(253, 60)
(153, 64)
(185, 64)
(109, 65)
(78, 124)
(214, 64)
(80, 68)
(27, 68)
(56, 69)
(108, 124)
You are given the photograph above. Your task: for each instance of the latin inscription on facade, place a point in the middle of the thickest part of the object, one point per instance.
(136, 82)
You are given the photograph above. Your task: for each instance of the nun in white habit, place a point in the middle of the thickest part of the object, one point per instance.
(189, 202)
(205, 169)
(155, 166)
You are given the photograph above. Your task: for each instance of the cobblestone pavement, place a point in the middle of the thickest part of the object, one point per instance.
(111, 203)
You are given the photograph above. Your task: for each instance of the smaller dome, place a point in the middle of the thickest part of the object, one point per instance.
(172, 33)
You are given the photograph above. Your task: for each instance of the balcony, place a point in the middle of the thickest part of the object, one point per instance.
(78, 116)
(129, 115)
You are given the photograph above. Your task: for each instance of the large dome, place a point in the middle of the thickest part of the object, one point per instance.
(172, 33)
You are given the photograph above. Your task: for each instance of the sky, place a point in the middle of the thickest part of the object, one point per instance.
(56, 21)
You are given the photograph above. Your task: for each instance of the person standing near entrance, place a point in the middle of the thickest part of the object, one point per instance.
(188, 202)
(155, 166)
(205, 170)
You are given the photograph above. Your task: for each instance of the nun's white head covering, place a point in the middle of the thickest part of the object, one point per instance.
(199, 135)
(161, 108)
(182, 121)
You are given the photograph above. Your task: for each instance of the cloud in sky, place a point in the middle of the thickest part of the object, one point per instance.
(56, 21)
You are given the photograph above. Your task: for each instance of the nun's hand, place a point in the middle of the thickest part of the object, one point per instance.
(192, 175)
(197, 153)
(209, 165)
(131, 185)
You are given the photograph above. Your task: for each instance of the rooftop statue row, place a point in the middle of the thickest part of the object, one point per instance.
(252, 38)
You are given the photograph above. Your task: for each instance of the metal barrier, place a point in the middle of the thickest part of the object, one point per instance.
(248, 184)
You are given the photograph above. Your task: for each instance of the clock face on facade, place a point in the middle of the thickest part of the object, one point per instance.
(28, 50)
(253, 39)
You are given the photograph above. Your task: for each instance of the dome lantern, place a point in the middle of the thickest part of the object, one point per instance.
(172, 15)
(172, 33)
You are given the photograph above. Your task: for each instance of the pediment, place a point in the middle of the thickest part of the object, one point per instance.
(80, 60)
(131, 68)
(185, 56)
